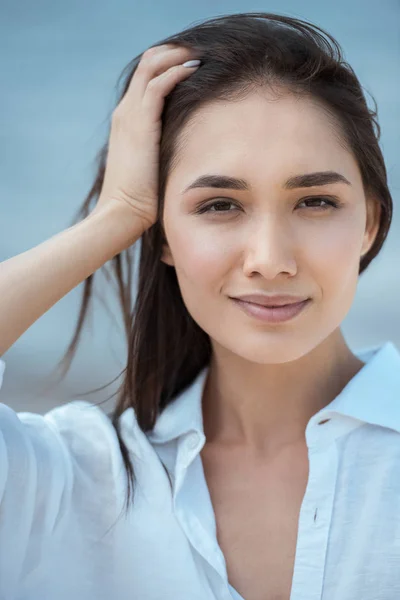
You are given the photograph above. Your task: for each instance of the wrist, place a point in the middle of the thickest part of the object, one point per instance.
(118, 223)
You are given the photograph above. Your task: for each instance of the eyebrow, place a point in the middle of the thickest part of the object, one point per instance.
(297, 181)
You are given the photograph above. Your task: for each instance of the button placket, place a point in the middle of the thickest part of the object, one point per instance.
(190, 475)
(315, 519)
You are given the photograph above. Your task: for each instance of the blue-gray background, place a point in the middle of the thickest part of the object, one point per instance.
(60, 65)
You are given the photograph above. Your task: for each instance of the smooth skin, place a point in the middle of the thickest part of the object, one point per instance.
(33, 281)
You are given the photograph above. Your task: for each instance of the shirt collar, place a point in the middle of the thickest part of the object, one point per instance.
(183, 414)
(372, 396)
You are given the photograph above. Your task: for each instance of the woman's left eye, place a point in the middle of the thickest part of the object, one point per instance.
(329, 203)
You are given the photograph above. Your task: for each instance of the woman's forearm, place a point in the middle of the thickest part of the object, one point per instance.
(33, 281)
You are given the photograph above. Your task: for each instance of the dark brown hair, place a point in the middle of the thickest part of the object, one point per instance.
(239, 53)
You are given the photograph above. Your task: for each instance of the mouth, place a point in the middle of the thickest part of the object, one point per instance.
(272, 314)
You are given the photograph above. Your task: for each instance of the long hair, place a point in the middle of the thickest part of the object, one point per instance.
(239, 53)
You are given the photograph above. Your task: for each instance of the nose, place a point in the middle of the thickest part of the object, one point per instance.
(270, 249)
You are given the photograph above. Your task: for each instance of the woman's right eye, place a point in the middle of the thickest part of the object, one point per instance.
(217, 205)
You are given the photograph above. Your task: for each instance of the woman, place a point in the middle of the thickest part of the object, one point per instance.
(251, 453)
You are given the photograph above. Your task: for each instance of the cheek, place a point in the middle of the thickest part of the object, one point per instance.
(201, 258)
(333, 256)
(203, 262)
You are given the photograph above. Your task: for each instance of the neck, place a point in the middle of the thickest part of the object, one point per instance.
(266, 407)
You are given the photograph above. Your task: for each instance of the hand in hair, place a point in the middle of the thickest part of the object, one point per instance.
(131, 173)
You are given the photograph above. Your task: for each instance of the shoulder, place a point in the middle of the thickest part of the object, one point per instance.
(75, 426)
(86, 431)
(55, 453)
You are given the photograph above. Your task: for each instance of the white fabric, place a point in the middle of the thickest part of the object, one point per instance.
(62, 488)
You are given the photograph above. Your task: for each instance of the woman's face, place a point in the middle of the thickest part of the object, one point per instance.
(266, 238)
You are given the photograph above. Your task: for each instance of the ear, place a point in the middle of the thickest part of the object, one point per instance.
(374, 210)
(166, 255)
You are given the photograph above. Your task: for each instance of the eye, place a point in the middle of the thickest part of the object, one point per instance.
(217, 205)
(328, 202)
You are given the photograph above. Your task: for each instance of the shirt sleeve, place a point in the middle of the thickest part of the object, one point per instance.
(56, 470)
(35, 488)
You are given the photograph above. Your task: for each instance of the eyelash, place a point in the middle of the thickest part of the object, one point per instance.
(330, 204)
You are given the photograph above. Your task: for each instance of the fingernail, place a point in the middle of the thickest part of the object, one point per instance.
(191, 63)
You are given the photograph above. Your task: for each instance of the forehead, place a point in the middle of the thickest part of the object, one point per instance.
(265, 133)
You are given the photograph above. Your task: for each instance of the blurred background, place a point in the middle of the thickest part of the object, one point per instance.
(60, 65)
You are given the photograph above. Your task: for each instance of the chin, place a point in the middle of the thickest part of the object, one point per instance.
(271, 350)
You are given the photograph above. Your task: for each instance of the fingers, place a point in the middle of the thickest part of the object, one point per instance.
(155, 62)
(158, 59)
(161, 86)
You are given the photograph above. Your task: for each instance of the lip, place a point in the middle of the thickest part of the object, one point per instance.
(277, 314)
(271, 300)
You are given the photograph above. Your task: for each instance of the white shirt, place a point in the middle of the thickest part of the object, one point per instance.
(63, 484)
